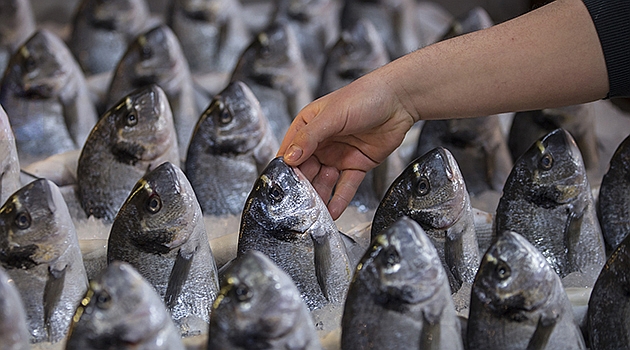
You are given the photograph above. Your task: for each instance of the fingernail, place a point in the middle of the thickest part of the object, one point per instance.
(293, 154)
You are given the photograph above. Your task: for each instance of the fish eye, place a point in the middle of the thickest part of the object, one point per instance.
(276, 193)
(23, 220)
(154, 203)
(546, 162)
(30, 64)
(503, 270)
(146, 52)
(265, 51)
(349, 48)
(242, 293)
(423, 187)
(391, 258)
(132, 119)
(225, 117)
(103, 300)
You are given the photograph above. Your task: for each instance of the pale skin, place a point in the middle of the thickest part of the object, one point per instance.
(549, 57)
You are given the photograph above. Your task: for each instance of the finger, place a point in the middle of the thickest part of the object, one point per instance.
(325, 181)
(310, 168)
(347, 185)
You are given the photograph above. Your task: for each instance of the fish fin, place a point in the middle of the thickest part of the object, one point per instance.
(332, 267)
(179, 275)
(573, 230)
(546, 325)
(431, 328)
(52, 294)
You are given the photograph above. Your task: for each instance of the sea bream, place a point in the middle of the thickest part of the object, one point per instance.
(46, 97)
(231, 145)
(399, 297)
(132, 138)
(17, 23)
(259, 307)
(40, 251)
(14, 333)
(547, 199)
(285, 219)
(156, 57)
(432, 191)
(121, 310)
(518, 301)
(160, 231)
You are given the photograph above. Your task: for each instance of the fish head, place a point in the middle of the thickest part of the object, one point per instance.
(283, 201)
(43, 66)
(141, 126)
(514, 279)
(258, 301)
(552, 171)
(120, 306)
(358, 51)
(162, 210)
(402, 266)
(115, 15)
(34, 225)
(210, 11)
(154, 56)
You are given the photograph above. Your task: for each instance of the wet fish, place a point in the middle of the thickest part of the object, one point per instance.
(399, 297)
(231, 145)
(547, 199)
(46, 97)
(260, 307)
(613, 206)
(14, 333)
(478, 145)
(607, 315)
(132, 138)
(518, 301)
(273, 67)
(431, 191)
(40, 251)
(121, 310)
(285, 219)
(9, 162)
(17, 23)
(156, 57)
(160, 231)
(578, 120)
(218, 24)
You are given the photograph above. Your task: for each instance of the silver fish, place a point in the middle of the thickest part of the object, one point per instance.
(285, 219)
(518, 301)
(399, 297)
(9, 162)
(231, 145)
(218, 24)
(156, 57)
(547, 199)
(431, 191)
(160, 231)
(14, 333)
(130, 139)
(273, 67)
(260, 307)
(614, 195)
(46, 97)
(17, 23)
(121, 310)
(39, 249)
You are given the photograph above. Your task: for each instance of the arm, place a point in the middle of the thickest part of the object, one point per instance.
(546, 58)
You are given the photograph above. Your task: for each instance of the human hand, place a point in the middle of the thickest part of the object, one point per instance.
(336, 139)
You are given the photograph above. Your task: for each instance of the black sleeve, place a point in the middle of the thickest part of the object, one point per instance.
(612, 22)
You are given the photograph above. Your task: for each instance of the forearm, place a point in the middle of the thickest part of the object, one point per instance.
(547, 58)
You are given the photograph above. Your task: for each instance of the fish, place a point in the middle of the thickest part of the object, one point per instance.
(475, 19)
(478, 145)
(218, 24)
(285, 219)
(14, 333)
(607, 316)
(39, 250)
(400, 297)
(9, 161)
(259, 307)
(613, 206)
(231, 145)
(273, 67)
(547, 199)
(518, 301)
(432, 192)
(102, 30)
(160, 231)
(578, 120)
(156, 57)
(121, 310)
(133, 137)
(17, 23)
(46, 98)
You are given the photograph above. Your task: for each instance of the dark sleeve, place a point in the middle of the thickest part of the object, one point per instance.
(612, 22)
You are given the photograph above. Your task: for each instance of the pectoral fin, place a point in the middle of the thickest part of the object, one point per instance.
(178, 277)
(430, 336)
(52, 295)
(545, 327)
(332, 267)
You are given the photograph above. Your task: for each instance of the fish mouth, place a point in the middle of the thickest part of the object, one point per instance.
(106, 24)
(18, 257)
(37, 92)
